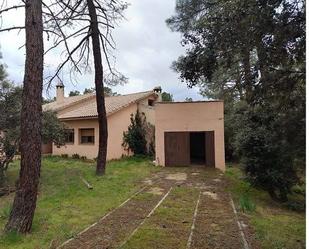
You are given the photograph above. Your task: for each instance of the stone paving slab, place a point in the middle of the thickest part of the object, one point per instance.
(112, 230)
(215, 225)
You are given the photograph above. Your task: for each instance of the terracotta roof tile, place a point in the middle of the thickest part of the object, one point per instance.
(56, 106)
(88, 108)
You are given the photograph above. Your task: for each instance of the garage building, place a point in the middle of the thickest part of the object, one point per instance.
(190, 133)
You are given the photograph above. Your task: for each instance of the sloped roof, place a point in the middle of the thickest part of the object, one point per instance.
(88, 108)
(69, 101)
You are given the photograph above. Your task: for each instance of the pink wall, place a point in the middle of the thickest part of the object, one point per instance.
(149, 111)
(190, 116)
(117, 124)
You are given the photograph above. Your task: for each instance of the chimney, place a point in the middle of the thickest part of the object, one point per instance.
(60, 92)
(158, 91)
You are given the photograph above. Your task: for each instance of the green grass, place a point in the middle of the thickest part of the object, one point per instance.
(170, 224)
(246, 204)
(275, 225)
(65, 205)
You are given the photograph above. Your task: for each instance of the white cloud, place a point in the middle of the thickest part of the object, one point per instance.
(145, 50)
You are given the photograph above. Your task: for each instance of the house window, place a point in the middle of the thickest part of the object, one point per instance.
(87, 136)
(69, 136)
(150, 102)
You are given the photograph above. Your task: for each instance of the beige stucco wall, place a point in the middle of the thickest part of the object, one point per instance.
(193, 116)
(149, 111)
(117, 124)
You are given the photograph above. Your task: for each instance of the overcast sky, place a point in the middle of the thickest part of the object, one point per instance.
(145, 50)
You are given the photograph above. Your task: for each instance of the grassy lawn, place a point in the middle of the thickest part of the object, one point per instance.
(65, 205)
(276, 225)
(169, 226)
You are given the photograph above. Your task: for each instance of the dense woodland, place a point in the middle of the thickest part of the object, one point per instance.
(251, 54)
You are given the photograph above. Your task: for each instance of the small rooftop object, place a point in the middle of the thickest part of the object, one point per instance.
(59, 85)
(157, 89)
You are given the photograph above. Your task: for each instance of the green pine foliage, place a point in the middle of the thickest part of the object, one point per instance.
(251, 54)
(265, 152)
(10, 110)
(135, 138)
(167, 97)
(52, 129)
(74, 93)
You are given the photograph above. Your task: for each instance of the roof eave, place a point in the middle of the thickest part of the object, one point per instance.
(108, 114)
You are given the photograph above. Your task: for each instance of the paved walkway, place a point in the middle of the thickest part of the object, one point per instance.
(176, 208)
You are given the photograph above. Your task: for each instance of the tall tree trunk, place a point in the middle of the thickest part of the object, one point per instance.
(2, 177)
(99, 87)
(24, 205)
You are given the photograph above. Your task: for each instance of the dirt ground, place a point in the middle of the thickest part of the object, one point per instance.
(185, 207)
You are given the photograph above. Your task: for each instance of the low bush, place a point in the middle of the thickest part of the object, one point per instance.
(75, 156)
(294, 205)
(140, 137)
(299, 189)
(64, 155)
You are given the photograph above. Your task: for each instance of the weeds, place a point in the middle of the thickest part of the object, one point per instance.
(246, 203)
(64, 155)
(276, 225)
(5, 212)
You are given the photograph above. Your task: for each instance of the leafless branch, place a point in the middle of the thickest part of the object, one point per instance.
(78, 32)
(68, 58)
(12, 28)
(11, 8)
(65, 21)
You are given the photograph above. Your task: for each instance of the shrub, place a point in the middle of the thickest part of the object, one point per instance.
(298, 206)
(75, 156)
(135, 138)
(84, 158)
(52, 129)
(64, 155)
(300, 189)
(265, 152)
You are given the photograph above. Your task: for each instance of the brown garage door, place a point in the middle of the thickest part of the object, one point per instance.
(210, 148)
(177, 148)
